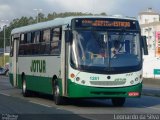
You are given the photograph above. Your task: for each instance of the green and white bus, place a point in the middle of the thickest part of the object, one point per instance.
(72, 57)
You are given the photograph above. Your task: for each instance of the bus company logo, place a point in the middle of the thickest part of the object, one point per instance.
(38, 66)
(120, 80)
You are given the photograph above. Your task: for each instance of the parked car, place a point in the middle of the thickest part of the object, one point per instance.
(3, 71)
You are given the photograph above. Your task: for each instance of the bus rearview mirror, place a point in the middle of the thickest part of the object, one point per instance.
(144, 45)
(68, 35)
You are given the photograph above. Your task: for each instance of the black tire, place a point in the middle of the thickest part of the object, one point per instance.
(59, 100)
(118, 102)
(24, 88)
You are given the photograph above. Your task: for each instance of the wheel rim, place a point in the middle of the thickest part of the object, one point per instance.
(56, 91)
(24, 86)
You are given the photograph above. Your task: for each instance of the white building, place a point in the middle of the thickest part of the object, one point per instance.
(150, 24)
(148, 16)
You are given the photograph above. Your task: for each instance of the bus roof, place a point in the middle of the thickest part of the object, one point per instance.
(58, 22)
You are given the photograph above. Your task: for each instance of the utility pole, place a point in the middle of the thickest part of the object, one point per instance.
(4, 28)
(38, 11)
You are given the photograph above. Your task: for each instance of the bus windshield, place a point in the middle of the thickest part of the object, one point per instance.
(106, 51)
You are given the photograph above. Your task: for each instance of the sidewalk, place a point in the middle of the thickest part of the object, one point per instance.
(151, 87)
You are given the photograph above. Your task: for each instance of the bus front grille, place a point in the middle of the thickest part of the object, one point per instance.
(107, 83)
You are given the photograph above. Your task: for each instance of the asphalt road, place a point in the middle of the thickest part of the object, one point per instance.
(42, 107)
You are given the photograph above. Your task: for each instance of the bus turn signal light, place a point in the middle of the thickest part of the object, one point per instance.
(133, 94)
(72, 75)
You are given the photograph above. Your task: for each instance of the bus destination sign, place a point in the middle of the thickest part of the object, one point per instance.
(104, 23)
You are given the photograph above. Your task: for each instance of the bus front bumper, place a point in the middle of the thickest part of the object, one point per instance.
(80, 91)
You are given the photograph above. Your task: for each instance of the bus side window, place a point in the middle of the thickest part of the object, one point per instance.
(46, 35)
(23, 38)
(37, 37)
(56, 41)
(29, 38)
(35, 41)
(22, 44)
(45, 44)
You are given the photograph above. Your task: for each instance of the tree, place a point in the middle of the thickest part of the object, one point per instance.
(103, 13)
(41, 17)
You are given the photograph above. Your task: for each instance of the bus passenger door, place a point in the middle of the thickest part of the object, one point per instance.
(15, 61)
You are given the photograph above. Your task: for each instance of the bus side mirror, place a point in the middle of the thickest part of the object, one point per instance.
(144, 45)
(68, 35)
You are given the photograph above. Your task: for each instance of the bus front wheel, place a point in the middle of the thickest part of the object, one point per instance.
(118, 102)
(57, 98)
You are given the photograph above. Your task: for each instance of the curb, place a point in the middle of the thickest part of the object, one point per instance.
(150, 94)
(151, 81)
(154, 84)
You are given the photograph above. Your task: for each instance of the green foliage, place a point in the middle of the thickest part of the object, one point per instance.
(23, 21)
(2, 60)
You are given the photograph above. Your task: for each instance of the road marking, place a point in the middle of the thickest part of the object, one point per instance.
(154, 108)
(5, 94)
(40, 104)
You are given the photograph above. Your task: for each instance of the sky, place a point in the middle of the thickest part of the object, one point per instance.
(11, 9)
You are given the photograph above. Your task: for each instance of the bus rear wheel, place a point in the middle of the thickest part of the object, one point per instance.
(57, 98)
(24, 88)
(118, 102)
